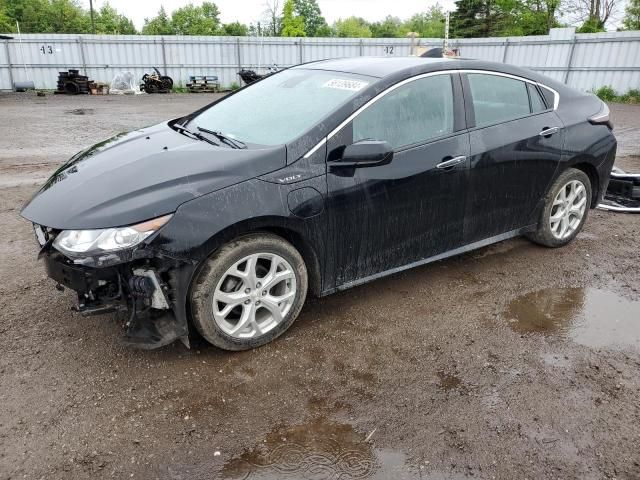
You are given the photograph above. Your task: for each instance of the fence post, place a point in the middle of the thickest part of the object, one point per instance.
(164, 56)
(300, 51)
(573, 47)
(506, 47)
(9, 65)
(238, 57)
(81, 47)
(361, 47)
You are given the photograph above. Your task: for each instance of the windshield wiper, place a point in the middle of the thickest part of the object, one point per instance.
(232, 142)
(196, 135)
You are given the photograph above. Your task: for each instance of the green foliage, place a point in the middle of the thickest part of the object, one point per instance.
(158, 25)
(7, 25)
(429, 24)
(192, 20)
(109, 21)
(631, 19)
(606, 93)
(196, 20)
(292, 24)
(60, 16)
(632, 96)
(591, 25)
(234, 86)
(499, 18)
(390, 27)
(352, 27)
(314, 23)
(235, 29)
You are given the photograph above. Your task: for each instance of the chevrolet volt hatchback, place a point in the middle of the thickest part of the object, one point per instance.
(317, 178)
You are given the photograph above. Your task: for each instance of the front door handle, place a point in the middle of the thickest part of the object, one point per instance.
(451, 162)
(547, 132)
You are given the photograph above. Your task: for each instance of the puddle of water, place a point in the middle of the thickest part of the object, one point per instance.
(588, 316)
(318, 450)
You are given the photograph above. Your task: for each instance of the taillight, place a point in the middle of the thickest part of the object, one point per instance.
(602, 117)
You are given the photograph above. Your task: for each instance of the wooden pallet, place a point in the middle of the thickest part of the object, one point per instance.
(203, 84)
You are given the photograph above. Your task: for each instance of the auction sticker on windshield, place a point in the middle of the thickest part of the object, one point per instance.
(344, 84)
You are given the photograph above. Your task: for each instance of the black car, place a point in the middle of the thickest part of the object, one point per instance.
(319, 177)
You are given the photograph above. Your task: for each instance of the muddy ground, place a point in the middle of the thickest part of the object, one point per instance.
(513, 361)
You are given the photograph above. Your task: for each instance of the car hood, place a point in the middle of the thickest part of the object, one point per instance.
(141, 175)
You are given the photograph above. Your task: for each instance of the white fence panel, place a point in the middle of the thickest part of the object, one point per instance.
(584, 61)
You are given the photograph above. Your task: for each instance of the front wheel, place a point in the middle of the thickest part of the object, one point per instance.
(565, 209)
(249, 292)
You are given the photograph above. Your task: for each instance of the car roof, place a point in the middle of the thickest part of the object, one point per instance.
(375, 66)
(404, 67)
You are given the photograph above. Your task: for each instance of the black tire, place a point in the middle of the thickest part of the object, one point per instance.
(213, 270)
(543, 234)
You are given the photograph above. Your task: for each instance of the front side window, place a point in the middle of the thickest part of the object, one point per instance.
(413, 113)
(282, 107)
(497, 99)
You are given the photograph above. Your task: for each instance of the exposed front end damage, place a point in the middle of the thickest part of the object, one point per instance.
(148, 285)
(623, 192)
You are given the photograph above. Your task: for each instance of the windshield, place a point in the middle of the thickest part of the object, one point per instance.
(281, 107)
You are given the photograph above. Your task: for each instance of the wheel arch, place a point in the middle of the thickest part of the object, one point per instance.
(278, 226)
(585, 166)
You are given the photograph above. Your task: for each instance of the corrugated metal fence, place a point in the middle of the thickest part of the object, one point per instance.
(585, 61)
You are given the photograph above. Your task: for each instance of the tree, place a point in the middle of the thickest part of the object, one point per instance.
(314, 23)
(352, 27)
(273, 20)
(631, 19)
(158, 25)
(429, 24)
(292, 24)
(591, 15)
(109, 20)
(6, 23)
(60, 16)
(192, 20)
(390, 27)
(235, 29)
(473, 18)
(66, 16)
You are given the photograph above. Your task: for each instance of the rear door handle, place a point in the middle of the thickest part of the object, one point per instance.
(547, 132)
(451, 162)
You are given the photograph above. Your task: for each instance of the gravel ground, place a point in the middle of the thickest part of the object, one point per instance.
(513, 361)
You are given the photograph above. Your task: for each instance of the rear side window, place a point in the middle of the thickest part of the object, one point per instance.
(537, 103)
(411, 114)
(497, 99)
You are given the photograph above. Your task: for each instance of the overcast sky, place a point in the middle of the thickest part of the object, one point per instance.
(251, 11)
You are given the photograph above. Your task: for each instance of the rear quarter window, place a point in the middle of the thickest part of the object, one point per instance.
(497, 99)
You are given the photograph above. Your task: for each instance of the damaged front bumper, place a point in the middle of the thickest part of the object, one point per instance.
(623, 192)
(151, 287)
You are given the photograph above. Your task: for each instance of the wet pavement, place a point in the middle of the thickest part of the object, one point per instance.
(513, 361)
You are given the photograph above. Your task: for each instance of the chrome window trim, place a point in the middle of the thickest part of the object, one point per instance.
(556, 97)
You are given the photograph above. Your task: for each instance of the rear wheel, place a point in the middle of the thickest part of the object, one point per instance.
(249, 292)
(565, 209)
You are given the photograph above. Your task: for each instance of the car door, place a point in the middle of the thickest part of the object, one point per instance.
(388, 216)
(516, 147)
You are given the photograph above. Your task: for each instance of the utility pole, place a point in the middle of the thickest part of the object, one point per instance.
(445, 45)
(93, 22)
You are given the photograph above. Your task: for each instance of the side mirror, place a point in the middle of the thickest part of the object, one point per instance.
(365, 153)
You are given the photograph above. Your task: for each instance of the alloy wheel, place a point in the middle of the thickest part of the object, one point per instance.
(568, 209)
(254, 295)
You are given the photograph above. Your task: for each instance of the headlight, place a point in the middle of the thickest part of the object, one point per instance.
(74, 242)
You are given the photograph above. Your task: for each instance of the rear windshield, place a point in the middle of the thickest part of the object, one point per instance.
(283, 106)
